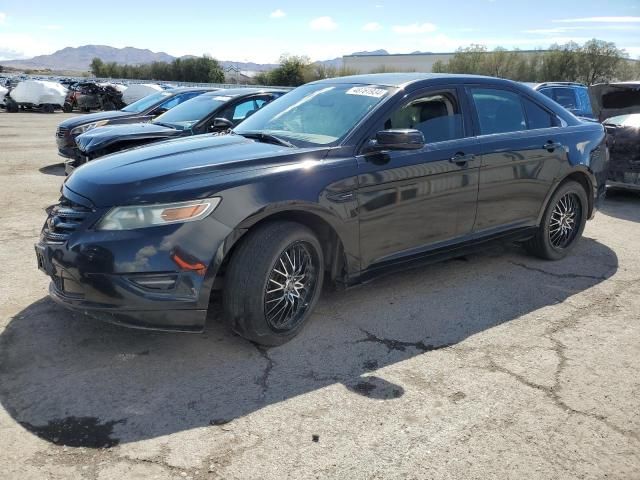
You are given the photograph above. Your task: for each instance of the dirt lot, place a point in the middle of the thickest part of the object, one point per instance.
(496, 365)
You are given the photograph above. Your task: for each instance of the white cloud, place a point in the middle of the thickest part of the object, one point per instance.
(599, 20)
(371, 27)
(19, 45)
(323, 23)
(53, 27)
(415, 28)
(3, 18)
(277, 14)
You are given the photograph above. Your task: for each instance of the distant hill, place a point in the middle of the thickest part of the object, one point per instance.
(79, 58)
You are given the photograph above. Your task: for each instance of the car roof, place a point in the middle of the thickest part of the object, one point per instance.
(237, 92)
(535, 86)
(405, 79)
(192, 89)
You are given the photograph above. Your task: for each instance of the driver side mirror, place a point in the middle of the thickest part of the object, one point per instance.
(220, 123)
(397, 139)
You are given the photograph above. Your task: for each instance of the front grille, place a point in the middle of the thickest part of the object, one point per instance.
(62, 132)
(63, 220)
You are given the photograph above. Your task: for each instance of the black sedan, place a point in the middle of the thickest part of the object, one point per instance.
(337, 181)
(143, 110)
(207, 113)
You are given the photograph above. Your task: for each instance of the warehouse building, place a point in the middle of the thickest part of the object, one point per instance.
(401, 62)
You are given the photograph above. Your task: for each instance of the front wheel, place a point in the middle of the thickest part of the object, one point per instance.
(273, 282)
(562, 223)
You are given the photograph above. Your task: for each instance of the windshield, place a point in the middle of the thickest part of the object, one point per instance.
(192, 111)
(630, 120)
(318, 114)
(146, 102)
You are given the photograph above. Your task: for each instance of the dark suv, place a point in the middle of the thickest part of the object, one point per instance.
(336, 181)
(143, 110)
(571, 95)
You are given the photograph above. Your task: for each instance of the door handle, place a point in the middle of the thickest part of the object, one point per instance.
(550, 146)
(461, 159)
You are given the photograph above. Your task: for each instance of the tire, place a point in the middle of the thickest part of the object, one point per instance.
(108, 106)
(67, 107)
(48, 108)
(248, 304)
(12, 107)
(551, 241)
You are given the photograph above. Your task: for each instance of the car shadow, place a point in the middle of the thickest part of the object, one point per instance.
(76, 382)
(622, 204)
(55, 169)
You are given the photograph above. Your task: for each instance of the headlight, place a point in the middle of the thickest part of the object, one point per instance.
(142, 216)
(89, 126)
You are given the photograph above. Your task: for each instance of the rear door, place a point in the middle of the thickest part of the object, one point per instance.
(523, 150)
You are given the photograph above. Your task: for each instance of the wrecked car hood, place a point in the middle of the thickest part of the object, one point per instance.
(613, 99)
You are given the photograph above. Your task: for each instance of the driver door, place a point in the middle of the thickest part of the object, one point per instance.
(414, 200)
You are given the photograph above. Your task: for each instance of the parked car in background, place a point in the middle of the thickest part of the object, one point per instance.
(210, 112)
(617, 105)
(143, 110)
(36, 94)
(87, 96)
(614, 99)
(624, 145)
(571, 95)
(338, 181)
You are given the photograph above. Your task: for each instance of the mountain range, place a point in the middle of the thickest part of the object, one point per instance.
(79, 59)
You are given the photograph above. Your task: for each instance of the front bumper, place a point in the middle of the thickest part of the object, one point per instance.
(156, 278)
(179, 320)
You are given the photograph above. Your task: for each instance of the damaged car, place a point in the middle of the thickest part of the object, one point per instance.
(618, 107)
(141, 111)
(87, 96)
(211, 112)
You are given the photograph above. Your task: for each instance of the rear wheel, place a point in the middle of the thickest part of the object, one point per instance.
(48, 108)
(67, 107)
(108, 106)
(273, 282)
(562, 224)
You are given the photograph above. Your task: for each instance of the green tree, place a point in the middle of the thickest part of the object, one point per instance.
(97, 67)
(599, 61)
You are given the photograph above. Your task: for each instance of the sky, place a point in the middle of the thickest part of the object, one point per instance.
(260, 31)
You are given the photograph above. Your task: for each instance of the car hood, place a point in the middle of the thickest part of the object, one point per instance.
(94, 117)
(102, 137)
(177, 170)
(613, 99)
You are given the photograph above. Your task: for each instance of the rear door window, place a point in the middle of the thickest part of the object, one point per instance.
(498, 111)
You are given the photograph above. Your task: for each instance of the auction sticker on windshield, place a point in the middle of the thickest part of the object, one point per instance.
(367, 91)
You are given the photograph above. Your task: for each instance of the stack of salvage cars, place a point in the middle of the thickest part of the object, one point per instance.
(69, 95)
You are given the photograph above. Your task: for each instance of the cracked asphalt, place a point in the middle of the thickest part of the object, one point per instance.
(495, 365)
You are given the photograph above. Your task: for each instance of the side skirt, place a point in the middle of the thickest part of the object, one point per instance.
(438, 254)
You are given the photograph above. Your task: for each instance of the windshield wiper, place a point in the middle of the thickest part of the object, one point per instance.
(266, 138)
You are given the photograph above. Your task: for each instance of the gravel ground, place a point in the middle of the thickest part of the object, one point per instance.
(496, 365)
